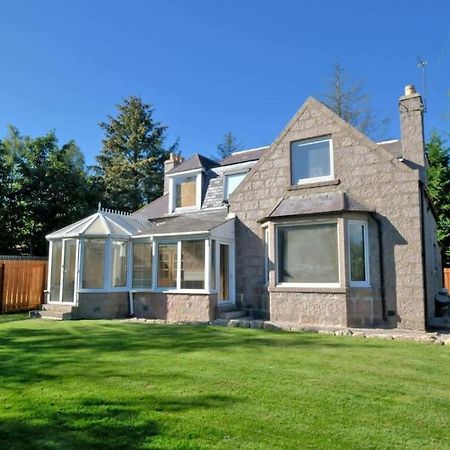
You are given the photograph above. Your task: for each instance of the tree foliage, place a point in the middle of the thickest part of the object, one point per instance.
(439, 189)
(346, 97)
(131, 162)
(228, 145)
(44, 187)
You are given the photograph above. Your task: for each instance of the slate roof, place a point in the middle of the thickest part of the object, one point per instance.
(317, 204)
(155, 209)
(199, 221)
(244, 156)
(196, 161)
(394, 147)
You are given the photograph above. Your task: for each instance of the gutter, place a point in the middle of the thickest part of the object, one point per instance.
(380, 249)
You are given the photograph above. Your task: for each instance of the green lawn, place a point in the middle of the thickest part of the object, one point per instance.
(117, 385)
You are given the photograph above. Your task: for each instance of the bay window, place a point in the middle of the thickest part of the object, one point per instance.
(308, 254)
(358, 253)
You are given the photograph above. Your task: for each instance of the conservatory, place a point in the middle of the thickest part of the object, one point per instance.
(112, 264)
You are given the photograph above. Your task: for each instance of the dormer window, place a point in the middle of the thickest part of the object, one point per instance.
(311, 160)
(232, 181)
(185, 195)
(185, 191)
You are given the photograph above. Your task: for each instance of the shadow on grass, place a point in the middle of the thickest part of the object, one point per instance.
(29, 354)
(95, 422)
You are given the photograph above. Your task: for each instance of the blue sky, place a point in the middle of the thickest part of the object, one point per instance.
(209, 67)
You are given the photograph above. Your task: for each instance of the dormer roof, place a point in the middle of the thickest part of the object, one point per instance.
(252, 154)
(196, 161)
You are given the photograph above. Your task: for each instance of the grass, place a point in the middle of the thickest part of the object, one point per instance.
(77, 385)
(13, 317)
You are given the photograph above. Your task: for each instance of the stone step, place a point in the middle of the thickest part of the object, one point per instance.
(52, 315)
(55, 307)
(227, 315)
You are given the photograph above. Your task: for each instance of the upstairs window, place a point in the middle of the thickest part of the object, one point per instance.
(311, 160)
(232, 181)
(186, 192)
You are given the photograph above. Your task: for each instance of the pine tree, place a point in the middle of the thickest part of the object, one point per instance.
(228, 145)
(131, 162)
(348, 100)
(439, 189)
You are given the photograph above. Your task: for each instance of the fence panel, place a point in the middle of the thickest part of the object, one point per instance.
(447, 278)
(22, 284)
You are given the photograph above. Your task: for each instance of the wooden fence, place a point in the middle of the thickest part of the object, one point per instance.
(447, 278)
(22, 284)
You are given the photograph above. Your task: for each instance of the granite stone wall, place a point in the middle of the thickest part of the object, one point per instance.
(370, 175)
(175, 307)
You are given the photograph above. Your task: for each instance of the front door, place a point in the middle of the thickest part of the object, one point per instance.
(224, 273)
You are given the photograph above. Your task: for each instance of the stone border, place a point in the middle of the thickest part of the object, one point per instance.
(438, 338)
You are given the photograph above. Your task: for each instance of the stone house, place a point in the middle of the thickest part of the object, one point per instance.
(322, 227)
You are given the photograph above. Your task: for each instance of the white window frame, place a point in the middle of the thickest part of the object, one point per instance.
(312, 179)
(179, 177)
(266, 256)
(177, 289)
(131, 264)
(127, 266)
(365, 225)
(226, 194)
(307, 285)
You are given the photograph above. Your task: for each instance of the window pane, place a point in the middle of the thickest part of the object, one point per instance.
(119, 263)
(186, 192)
(193, 264)
(224, 273)
(55, 277)
(357, 253)
(266, 256)
(213, 264)
(142, 264)
(310, 160)
(308, 254)
(93, 263)
(232, 182)
(167, 265)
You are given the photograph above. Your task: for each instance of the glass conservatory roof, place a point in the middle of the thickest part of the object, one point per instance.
(104, 224)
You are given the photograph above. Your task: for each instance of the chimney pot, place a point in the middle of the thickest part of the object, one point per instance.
(410, 89)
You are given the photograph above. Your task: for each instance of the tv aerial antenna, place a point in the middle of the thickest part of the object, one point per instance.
(422, 64)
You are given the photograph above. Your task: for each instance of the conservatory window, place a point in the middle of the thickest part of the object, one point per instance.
(142, 264)
(119, 263)
(55, 280)
(167, 265)
(213, 265)
(193, 264)
(308, 254)
(93, 263)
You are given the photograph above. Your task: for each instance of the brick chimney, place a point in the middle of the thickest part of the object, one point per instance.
(412, 133)
(169, 164)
